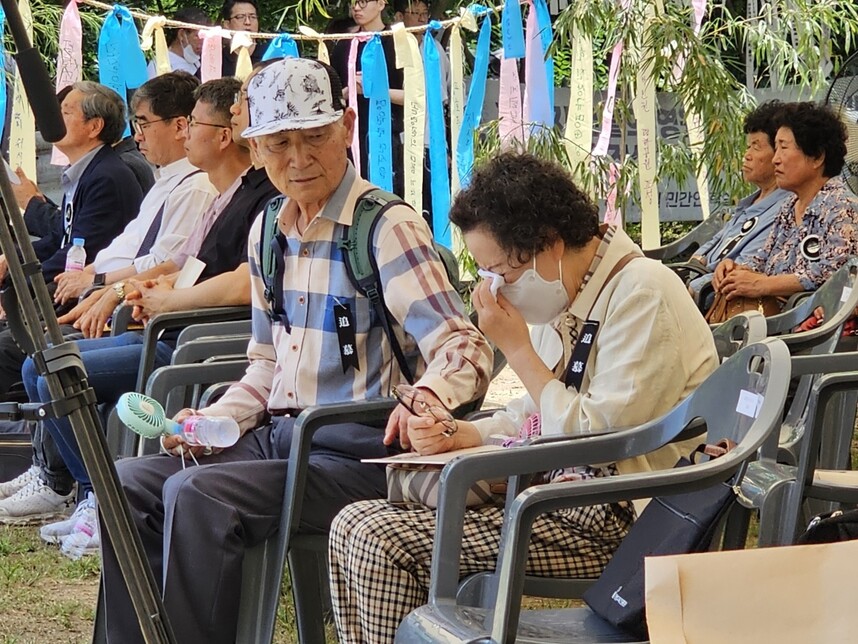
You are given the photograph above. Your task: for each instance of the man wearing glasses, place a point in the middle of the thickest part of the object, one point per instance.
(170, 212)
(240, 15)
(219, 241)
(195, 523)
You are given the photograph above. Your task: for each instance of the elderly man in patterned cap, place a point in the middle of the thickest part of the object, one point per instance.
(197, 521)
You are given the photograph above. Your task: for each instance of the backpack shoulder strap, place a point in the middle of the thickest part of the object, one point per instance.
(361, 263)
(267, 253)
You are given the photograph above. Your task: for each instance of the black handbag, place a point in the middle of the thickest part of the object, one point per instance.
(671, 525)
(831, 527)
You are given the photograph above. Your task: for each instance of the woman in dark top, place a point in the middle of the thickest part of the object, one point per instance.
(367, 14)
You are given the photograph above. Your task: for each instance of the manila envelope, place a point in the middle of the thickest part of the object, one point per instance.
(794, 594)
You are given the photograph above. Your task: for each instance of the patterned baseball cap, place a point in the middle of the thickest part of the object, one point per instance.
(293, 94)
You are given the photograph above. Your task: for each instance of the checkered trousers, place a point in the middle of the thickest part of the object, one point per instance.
(380, 556)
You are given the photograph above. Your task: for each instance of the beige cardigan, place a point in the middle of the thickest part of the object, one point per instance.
(653, 349)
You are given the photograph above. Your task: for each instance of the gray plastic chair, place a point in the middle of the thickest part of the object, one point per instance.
(307, 555)
(684, 247)
(770, 485)
(762, 369)
(736, 333)
(778, 490)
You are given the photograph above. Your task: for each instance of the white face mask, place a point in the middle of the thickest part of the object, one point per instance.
(538, 300)
(190, 55)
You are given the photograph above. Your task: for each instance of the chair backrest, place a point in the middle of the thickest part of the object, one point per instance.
(685, 246)
(738, 332)
(727, 402)
(742, 400)
(213, 329)
(838, 299)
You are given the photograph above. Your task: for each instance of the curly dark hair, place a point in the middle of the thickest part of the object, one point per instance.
(818, 131)
(764, 119)
(526, 204)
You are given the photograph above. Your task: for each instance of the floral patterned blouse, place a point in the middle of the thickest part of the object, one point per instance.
(814, 249)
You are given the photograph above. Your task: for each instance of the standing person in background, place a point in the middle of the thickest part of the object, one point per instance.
(240, 15)
(368, 16)
(184, 45)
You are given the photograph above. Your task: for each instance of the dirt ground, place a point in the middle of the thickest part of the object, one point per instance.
(502, 389)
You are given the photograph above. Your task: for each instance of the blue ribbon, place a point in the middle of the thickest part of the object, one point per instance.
(121, 65)
(376, 87)
(476, 97)
(543, 20)
(512, 30)
(3, 93)
(440, 178)
(282, 46)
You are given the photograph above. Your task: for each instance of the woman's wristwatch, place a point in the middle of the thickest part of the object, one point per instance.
(119, 289)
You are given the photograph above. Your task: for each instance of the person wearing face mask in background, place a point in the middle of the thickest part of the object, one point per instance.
(617, 342)
(184, 45)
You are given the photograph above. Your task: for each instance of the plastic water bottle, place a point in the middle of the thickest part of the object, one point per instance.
(76, 257)
(211, 431)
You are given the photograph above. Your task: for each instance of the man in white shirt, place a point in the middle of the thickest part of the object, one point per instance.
(170, 212)
(184, 46)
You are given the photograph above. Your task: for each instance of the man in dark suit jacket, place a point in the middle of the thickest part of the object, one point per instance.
(100, 193)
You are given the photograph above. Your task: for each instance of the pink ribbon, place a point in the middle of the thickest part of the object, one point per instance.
(353, 47)
(536, 107)
(211, 63)
(612, 215)
(510, 125)
(69, 60)
(699, 7)
(608, 112)
(69, 56)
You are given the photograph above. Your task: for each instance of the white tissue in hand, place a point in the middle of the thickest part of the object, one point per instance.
(497, 281)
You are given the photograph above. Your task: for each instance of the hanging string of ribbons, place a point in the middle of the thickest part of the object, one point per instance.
(122, 67)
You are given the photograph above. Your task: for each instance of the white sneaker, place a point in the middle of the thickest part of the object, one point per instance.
(35, 502)
(54, 532)
(9, 488)
(83, 539)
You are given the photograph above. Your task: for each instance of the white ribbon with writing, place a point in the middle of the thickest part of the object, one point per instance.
(408, 58)
(22, 136)
(645, 106)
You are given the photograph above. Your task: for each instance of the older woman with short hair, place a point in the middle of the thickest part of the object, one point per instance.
(817, 228)
(537, 237)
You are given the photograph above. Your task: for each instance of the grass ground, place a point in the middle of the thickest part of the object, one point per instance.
(48, 599)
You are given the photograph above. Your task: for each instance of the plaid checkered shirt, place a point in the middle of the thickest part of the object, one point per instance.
(301, 367)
